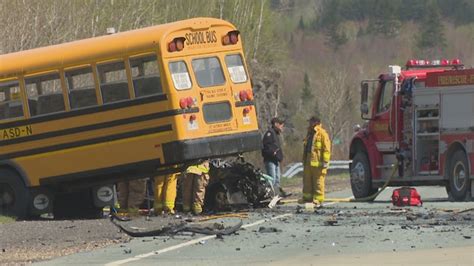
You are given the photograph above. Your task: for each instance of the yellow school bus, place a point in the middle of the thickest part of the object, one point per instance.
(79, 116)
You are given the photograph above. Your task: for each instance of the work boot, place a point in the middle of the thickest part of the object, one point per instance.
(284, 194)
(303, 201)
(169, 211)
(317, 204)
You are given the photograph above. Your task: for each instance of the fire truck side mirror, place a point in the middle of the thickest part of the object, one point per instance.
(364, 107)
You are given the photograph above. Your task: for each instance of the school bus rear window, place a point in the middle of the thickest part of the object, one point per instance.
(208, 72)
(236, 68)
(180, 75)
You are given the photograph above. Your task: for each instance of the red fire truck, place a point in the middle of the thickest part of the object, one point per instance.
(420, 119)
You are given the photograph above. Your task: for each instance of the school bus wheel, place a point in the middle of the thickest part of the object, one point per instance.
(14, 195)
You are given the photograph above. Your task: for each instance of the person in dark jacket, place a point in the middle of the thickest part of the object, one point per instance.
(273, 154)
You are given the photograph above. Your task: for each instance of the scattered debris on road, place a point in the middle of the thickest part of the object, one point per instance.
(175, 227)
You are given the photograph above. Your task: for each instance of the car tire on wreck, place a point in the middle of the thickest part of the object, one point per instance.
(361, 178)
(216, 198)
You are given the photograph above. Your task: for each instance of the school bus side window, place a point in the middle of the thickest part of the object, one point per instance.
(113, 82)
(180, 75)
(236, 68)
(81, 87)
(145, 75)
(44, 94)
(11, 105)
(208, 72)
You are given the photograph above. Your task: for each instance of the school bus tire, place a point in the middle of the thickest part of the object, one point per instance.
(14, 195)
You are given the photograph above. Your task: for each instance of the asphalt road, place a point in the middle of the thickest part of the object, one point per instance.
(439, 233)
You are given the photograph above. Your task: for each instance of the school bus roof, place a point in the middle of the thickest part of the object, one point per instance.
(97, 48)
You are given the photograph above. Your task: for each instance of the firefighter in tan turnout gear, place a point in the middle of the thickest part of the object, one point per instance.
(317, 152)
(194, 187)
(165, 193)
(131, 194)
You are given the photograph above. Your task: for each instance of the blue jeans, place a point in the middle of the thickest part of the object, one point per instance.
(273, 170)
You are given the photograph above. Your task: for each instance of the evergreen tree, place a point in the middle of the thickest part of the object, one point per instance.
(301, 23)
(331, 21)
(431, 41)
(306, 94)
(385, 19)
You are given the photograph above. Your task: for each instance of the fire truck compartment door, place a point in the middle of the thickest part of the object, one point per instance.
(457, 111)
(422, 99)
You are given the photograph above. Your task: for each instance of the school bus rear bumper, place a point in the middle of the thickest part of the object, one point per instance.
(182, 151)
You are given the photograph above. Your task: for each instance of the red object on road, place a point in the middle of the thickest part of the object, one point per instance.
(406, 196)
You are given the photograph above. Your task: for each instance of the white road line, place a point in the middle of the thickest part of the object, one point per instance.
(185, 244)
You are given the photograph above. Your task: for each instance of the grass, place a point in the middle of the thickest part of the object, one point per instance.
(6, 219)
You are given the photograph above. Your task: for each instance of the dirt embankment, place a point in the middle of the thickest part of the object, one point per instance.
(31, 241)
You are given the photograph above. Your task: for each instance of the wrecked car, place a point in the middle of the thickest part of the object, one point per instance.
(234, 184)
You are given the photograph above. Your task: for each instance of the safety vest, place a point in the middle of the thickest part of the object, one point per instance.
(198, 169)
(321, 147)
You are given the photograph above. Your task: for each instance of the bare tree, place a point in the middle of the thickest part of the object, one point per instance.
(335, 102)
(259, 27)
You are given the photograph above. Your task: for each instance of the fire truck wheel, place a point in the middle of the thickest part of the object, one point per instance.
(361, 178)
(14, 195)
(458, 175)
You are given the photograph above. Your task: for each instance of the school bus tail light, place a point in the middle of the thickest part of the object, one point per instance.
(176, 45)
(246, 95)
(192, 118)
(246, 111)
(243, 95)
(249, 94)
(232, 37)
(187, 102)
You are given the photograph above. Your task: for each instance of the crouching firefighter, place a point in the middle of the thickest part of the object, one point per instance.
(194, 187)
(317, 152)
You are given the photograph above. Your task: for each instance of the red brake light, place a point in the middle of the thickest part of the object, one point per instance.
(249, 94)
(243, 95)
(232, 37)
(444, 62)
(226, 40)
(177, 44)
(246, 111)
(192, 117)
(189, 102)
(183, 103)
(172, 47)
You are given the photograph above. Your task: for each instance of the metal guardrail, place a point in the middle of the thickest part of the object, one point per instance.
(293, 169)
